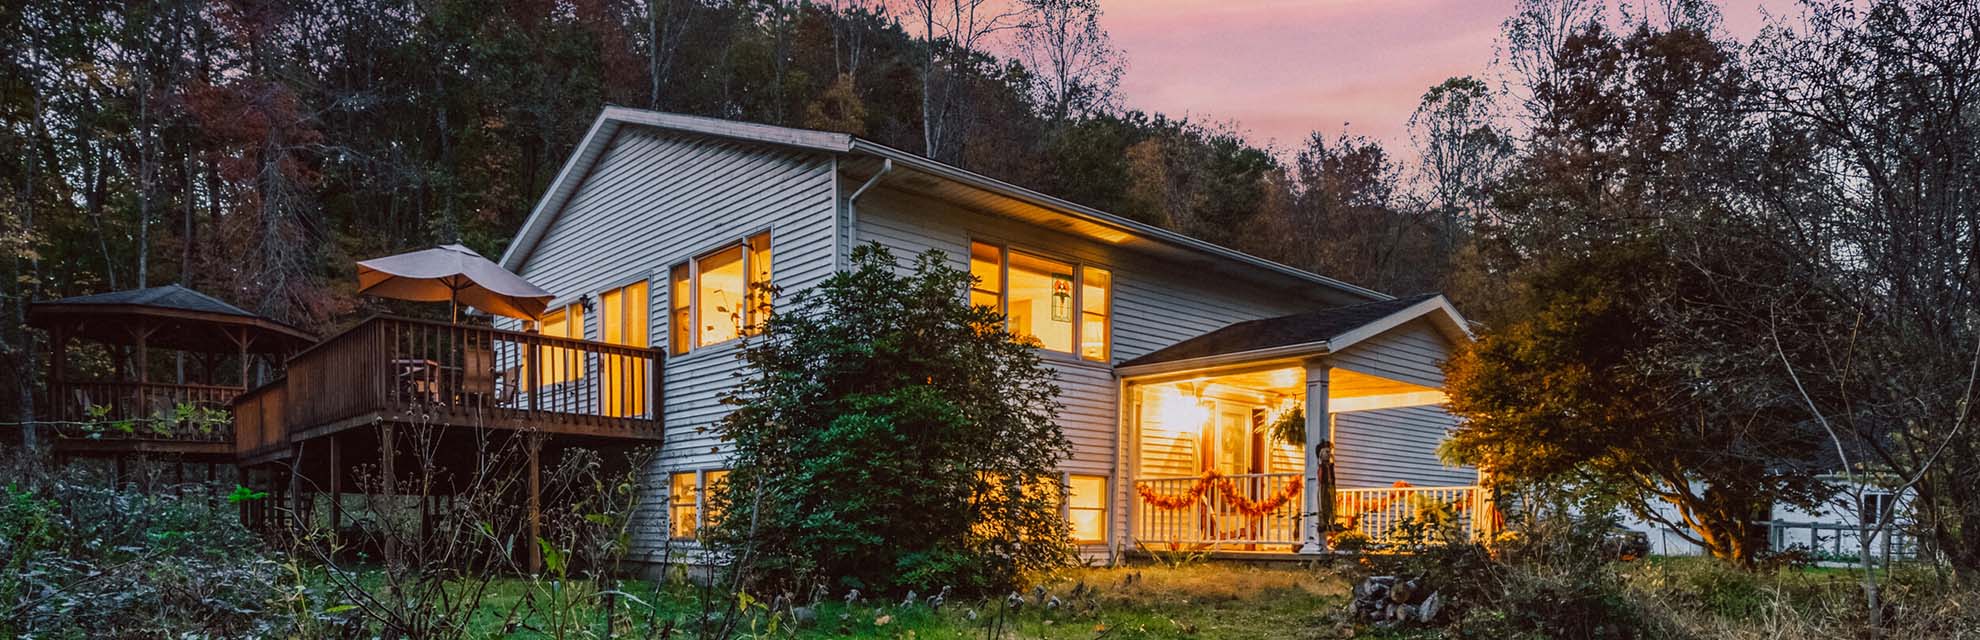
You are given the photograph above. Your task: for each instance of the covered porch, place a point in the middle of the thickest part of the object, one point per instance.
(1299, 435)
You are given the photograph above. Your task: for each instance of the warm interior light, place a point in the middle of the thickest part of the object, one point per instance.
(1181, 413)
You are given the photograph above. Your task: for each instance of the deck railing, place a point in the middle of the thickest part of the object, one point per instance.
(424, 371)
(1386, 516)
(141, 410)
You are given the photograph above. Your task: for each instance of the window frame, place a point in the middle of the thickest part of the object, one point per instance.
(1105, 509)
(752, 303)
(699, 505)
(566, 370)
(1079, 268)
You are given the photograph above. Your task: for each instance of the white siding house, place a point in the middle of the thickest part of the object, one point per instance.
(1175, 353)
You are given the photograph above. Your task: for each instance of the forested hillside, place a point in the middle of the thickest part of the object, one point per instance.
(253, 149)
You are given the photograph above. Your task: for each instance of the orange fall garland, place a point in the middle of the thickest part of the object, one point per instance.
(1237, 501)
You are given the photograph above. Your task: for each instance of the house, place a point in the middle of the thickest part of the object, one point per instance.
(1177, 357)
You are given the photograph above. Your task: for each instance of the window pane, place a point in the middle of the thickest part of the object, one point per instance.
(559, 365)
(1096, 288)
(677, 317)
(1041, 300)
(717, 481)
(759, 277)
(1086, 492)
(986, 263)
(622, 320)
(1086, 507)
(721, 292)
(681, 496)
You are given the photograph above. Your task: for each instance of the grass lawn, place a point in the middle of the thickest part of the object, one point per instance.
(1198, 601)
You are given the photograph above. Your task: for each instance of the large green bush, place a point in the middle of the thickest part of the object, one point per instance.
(890, 436)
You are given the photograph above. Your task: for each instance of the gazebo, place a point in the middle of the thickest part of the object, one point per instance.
(131, 409)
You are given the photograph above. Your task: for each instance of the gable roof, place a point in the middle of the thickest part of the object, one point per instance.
(613, 119)
(1314, 333)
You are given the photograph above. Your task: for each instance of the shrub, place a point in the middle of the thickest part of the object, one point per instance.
(891, 436)
(85, 560)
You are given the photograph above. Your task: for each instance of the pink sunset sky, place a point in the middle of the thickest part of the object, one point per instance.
(1280, 69)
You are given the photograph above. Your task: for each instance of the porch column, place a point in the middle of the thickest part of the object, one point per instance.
(1317, 371)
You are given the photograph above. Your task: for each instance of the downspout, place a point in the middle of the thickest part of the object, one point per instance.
(852, 211)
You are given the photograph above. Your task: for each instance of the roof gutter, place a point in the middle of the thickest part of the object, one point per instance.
(852, 204)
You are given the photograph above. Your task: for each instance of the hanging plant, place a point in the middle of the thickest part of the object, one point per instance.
(1290, 428)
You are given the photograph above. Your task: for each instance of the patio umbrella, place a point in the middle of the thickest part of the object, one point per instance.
(454, 274)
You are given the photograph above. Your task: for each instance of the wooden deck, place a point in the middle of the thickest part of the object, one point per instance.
(417, 372)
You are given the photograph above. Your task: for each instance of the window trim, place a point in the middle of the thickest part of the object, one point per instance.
(1106, 507)
(1079, 267)
(700, 503)
(692, 268)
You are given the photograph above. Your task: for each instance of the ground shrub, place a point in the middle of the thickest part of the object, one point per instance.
(85, 560)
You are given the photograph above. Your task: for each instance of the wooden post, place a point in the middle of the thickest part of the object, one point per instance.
(336, 488)
(533, 444)
(1317, 421)
(387, 469)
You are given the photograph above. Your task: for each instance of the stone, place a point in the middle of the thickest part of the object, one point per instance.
(1431, 606)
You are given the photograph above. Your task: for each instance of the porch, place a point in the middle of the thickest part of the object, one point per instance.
(1299, 435)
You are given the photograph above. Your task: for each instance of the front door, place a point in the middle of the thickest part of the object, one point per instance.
(1232, 449)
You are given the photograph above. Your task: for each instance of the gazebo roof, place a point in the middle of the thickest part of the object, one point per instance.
(176, 317)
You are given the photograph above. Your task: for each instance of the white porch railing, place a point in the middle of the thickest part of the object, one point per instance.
(1211, 518)
(1395, 515)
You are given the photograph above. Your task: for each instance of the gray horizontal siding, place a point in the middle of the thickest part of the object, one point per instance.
(1378, 448)
(655, 199)
(1413, 353)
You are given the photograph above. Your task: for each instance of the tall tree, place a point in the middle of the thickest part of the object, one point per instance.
(1076, 67)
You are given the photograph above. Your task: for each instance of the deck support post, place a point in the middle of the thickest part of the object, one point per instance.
(533, 446)
(1314, 539)
(336, 488)
(390, 481)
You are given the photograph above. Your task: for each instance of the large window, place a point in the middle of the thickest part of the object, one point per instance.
(1064, 306)
(684, 505)
(1086, 508)
(690, 501)
(622, 320)
(559, 365)
(718, 295)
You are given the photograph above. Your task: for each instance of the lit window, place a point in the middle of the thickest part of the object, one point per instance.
(691, 501)
(678, 318)
(683, 507)
(716, 482)
(1093, 311)
(558, 365)
(758, 292)
(986, 263)
(719, 290)
(1041, 300)
(722, 292)
(1086, 507)
(622, 320)
(1066, 309)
